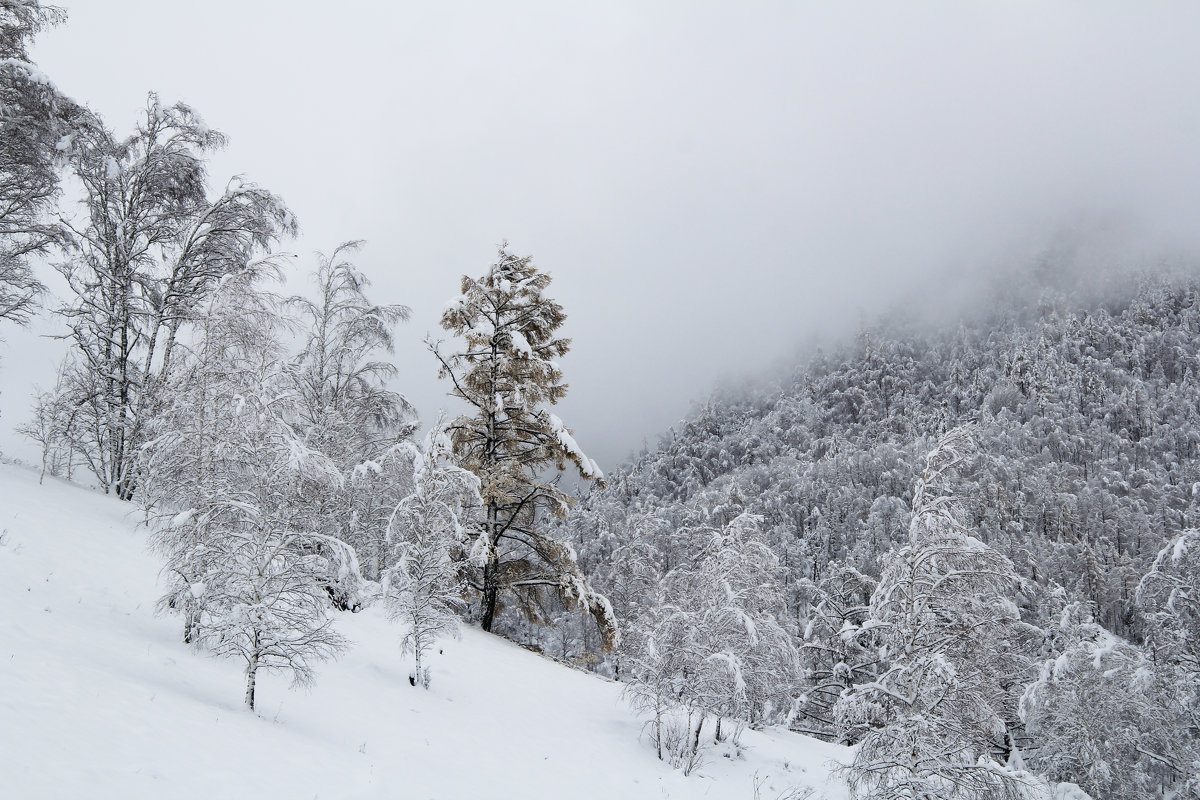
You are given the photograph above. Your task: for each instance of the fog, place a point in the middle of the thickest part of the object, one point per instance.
(710, 185)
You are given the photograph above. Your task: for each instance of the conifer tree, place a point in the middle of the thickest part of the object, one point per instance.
(506, 370)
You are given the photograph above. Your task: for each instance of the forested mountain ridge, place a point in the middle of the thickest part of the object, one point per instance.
(1084, 421)
(955, 556)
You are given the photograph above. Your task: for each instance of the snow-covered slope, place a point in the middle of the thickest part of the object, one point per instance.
(98, 698)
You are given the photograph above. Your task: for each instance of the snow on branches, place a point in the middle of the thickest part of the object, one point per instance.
(710, 647)
(427, 536)
(932, 718)
(506, 370)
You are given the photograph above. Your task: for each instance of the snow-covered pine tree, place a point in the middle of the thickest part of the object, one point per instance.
(428, 537)
(506, 371)
(933, 716)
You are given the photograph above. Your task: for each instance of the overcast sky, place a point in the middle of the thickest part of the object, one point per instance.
(710, 184)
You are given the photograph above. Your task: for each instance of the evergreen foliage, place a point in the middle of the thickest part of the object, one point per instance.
(506, 371)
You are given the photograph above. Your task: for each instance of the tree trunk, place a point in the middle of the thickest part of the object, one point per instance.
(658, 728)
(491, 592)
(251, 671)
(191, 625)
(422, 669)
(491, 585)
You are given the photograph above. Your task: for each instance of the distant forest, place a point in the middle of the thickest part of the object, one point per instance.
(1084, 423)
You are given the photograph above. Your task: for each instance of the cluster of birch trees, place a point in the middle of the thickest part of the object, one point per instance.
(282, 476)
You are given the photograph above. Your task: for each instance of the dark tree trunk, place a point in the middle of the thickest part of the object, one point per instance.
(491, 583)
(491, 593)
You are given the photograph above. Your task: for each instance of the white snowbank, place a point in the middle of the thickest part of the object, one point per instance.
(99, 698)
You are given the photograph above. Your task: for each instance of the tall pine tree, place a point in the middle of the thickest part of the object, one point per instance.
(506, 371)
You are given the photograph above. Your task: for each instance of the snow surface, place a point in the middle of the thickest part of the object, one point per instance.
(99, 698)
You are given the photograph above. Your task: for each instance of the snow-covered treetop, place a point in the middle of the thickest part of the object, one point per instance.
(508, 369)
(21, 21)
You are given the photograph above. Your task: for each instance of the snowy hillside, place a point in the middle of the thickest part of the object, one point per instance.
(98, 697)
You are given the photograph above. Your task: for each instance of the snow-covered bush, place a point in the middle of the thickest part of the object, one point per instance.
(711, 649)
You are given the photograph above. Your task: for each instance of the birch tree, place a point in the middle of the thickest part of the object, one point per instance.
(234, 485)
(53, 425)
(148, 248)
(428, 537)
(711, 651)
(346, 409)
(932, 717)
(35, 118)
(237, 345)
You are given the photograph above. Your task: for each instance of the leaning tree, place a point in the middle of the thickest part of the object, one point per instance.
(148, 249)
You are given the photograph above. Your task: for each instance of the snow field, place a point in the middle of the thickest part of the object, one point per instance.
(99, 698)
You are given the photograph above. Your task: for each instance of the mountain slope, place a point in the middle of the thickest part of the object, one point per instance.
(98, 697)
(1087, 437)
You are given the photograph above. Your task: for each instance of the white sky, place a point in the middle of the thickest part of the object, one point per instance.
(710, 184)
